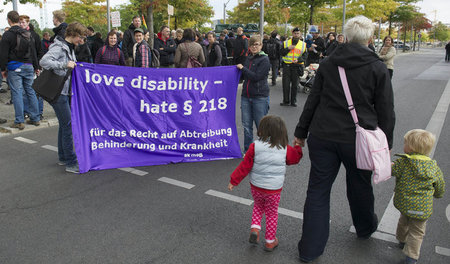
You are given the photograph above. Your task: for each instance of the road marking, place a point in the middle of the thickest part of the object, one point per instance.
(229, 197)
(25, 140)
(379, 235)
(52, 148)
(442, 251)
(177, 183)
(388, 223)
(139, 172)
(133, 171)
(290, 213)
(447, 212)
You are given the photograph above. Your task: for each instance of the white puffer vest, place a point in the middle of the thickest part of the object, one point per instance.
(269, 166)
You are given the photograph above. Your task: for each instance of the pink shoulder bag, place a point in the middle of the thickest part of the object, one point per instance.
(371, 146)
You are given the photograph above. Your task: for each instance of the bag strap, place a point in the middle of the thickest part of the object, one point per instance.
(347, 93)
(103, 50)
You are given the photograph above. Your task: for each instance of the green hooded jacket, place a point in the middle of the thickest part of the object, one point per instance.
(418, 179)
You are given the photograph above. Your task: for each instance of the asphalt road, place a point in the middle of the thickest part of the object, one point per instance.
(144, 216)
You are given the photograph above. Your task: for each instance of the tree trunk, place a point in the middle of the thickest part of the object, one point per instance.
(404, 38)
(414, 46)
(176, 23)
(311, 13)
(390, 24)
(150, 24)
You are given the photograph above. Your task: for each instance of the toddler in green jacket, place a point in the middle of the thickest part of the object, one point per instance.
(418, 180)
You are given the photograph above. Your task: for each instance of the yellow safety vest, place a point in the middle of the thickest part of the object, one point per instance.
(294, 54)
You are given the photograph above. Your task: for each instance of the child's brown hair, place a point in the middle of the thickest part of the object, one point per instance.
(272, 130)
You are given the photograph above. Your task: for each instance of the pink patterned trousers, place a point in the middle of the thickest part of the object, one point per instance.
(266, 204)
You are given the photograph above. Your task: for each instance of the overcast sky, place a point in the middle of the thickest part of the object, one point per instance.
(442, 8)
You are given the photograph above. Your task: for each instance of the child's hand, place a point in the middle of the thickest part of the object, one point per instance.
(230, 186)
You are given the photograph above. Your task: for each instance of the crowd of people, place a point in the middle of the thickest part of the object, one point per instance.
(325, 119)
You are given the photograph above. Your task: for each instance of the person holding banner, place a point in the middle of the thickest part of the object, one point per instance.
(255, 91)
(60, 58)
(142, 55)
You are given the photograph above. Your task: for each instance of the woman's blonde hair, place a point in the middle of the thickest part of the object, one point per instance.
(420, 141)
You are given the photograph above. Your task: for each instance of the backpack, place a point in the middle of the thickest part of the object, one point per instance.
(272, 49)
(24, 42)
(155, 63)
(104, 48)
(192, 62)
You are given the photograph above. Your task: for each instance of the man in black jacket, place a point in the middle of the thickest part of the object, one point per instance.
(20, 59)
(272, 48)
(166, 47)
(129, 41)
(240, 47)
(60, 26)
(327, 122)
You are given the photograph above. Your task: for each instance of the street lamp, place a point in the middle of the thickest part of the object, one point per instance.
(224, 12)
(343, 17)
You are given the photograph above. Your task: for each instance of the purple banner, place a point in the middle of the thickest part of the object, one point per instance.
(127, 117)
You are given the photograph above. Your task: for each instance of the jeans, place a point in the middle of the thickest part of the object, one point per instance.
(26, 105)
(20, 82)
(326, 158)
(252, 110)
(65, 141)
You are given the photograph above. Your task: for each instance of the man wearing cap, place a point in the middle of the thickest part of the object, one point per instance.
(292, 52)
(318, 45)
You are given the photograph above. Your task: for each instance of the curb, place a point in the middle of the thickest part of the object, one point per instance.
(5, 130)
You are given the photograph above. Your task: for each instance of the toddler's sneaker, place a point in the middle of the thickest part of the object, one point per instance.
(271, 246)
(254, 236)
(409, 260)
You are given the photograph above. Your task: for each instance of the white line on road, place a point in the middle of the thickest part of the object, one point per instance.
(176, 183)
(442, 251)
(379, 235)
(290, 213)
(229, 197)
(25, 140)
(52, 148)
(134, 171)
(390, 217)
(447, 212)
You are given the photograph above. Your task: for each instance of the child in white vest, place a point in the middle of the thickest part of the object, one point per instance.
(266, 161)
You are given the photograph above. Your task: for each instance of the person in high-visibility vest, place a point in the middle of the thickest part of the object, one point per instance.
(292, 53)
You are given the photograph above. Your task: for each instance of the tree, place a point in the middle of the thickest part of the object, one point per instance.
(371, 9)
(87, 12)
(440, 32)
(311, 4)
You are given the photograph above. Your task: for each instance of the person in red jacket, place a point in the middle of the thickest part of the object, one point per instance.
(265, 162)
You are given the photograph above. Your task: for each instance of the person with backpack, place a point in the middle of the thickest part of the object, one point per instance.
(272, 48)
(189, 54)
(18, 63)
(110, 52)
(240, 47)
(142, 55)
(214, 52)
(166, 48)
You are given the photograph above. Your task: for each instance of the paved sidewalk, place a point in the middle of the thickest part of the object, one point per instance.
(7, 112)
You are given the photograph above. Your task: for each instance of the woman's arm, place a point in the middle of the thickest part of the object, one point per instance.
(52, 59)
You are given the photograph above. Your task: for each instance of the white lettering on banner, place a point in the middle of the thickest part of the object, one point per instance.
(97, 79)
(183, 83)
